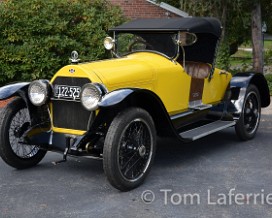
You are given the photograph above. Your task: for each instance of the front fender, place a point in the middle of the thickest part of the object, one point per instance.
(115, 101)
(12, 89)
(115, 97)
(39, 115)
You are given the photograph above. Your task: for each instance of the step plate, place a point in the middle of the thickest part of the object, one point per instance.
(205, 130)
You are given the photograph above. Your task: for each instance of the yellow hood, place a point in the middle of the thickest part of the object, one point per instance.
(136, 70)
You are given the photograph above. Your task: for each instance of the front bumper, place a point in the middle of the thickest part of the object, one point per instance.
(86, 145)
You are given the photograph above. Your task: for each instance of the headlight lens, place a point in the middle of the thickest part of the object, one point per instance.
(90, 96)
(109, 43)
(38, 92)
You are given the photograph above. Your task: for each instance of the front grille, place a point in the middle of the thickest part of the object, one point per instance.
(70, 114)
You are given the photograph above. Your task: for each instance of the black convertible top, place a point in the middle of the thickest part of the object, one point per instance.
(192, 24)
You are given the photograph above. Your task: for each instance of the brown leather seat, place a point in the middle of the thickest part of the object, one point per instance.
(197, 69)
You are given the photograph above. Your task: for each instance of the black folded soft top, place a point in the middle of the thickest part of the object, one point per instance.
(191, 24)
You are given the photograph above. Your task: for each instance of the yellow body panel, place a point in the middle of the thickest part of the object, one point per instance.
(214, 90)
(166, 78)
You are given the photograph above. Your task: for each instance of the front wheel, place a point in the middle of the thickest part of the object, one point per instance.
(129, 148)
(14, 122)
(249, 120)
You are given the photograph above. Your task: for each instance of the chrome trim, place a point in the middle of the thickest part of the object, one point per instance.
(74, 57)
(240, 102)
(62, 99)
(195, 103)
(86, 156)
(113, 51)
(45, 85)
(108, 38)
(103, 87)
(178, 51)
(100, 92)
(177, 116)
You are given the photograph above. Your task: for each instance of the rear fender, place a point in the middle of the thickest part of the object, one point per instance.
(239, 85)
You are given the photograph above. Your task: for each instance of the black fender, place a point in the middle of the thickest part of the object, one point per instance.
(117, 100)
(238, 86)
(241, 81)
(39, 115)
(11, 90)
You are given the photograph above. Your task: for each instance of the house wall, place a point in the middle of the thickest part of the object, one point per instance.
(142, 9)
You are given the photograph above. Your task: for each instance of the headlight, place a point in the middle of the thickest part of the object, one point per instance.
(109, 43)
(38, 92)
(90, 96)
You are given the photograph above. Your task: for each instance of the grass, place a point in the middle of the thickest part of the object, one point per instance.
(268, 44)
(242, 60)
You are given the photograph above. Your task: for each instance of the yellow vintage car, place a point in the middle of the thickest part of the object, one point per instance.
(162, 82)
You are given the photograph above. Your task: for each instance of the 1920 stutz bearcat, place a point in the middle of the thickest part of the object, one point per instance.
(163, 82)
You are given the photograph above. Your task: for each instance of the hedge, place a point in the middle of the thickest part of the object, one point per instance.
(37, 36)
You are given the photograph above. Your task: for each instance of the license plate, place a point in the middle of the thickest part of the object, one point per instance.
(67, 92)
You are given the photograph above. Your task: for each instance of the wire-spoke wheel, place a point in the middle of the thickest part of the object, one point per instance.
(14, 122)
(248, 123)
(129, 148)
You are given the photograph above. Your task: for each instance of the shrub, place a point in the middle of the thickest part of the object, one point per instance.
(37, 36)
(269, 82)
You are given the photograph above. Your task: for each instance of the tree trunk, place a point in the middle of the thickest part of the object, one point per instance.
(224, 19)
(257, 38)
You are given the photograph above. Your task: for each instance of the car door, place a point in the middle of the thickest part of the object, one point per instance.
(214, 89)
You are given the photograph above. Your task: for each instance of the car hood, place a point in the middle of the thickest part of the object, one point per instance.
(135, 70)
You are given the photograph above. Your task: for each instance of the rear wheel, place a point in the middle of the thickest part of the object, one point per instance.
(14, 122)
(249, 120)
(129, 149)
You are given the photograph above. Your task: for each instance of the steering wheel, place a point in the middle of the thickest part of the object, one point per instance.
(141, 43)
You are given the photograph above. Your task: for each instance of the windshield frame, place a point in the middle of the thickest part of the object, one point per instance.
(175, 53)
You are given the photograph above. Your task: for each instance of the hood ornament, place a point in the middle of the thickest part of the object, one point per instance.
(74, 57)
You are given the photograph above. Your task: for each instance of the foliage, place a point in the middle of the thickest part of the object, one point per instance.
(174, 3)
(268, 57)
(37, 36)
(223, 58)
(266, 14)
(269, 81)
(235, 16)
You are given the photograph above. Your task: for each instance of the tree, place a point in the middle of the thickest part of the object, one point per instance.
(241, 20)
(37, 36)
(257, 40)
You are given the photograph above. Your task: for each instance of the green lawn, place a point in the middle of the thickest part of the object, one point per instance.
(244, 57)
(268, 44)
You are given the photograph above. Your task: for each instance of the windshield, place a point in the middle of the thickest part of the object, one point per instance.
(164, 43)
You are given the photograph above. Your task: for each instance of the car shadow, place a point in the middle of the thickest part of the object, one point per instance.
(170, 152)
(173, 152)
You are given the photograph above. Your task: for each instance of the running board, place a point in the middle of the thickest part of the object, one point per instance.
(207, 129)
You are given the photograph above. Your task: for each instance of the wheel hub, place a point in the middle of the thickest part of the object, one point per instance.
(142, 150)
(20, 130)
